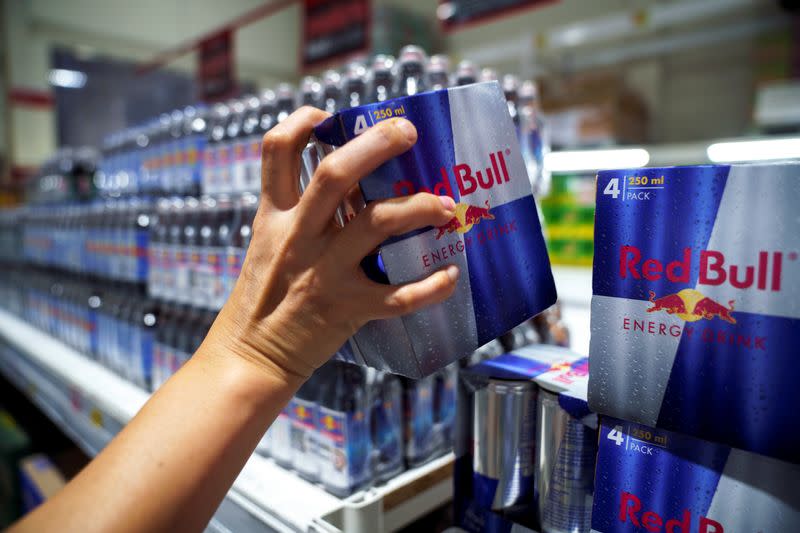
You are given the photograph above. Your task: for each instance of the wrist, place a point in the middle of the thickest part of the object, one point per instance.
(250, 381)
(254, 351)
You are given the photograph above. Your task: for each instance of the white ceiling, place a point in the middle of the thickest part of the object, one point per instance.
(141, 29)
(267, 50)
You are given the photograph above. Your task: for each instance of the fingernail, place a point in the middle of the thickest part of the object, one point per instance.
(448, 203)
(452, 272)
(408, 129)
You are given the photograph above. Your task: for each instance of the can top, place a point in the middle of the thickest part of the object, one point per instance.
(466, 73)
(331, 78)
(382, 63)
(488, 74)
(439, 63)
(528, 90)
(510, 83)
(355, 71)
(508, 386)
(412, 54)
(267, 97)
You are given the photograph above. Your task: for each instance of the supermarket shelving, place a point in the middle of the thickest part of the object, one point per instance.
(91, 404)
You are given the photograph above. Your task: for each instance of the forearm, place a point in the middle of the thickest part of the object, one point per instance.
(172, 465)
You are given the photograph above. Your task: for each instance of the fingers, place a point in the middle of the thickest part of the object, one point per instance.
(387, 301)
(340, 171)
(280, 161)
(381, 220)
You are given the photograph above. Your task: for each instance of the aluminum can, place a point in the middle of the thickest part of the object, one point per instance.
(565, 458)
(504, 419)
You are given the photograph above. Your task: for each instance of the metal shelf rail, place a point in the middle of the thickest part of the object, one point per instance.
(91, 404)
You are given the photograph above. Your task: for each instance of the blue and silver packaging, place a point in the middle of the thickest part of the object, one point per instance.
(467, 148)
(419, 435)
(525, 443)
(386, 425)
(657, 480)
(695, 320)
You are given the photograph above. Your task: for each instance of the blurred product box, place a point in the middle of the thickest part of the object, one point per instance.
(593, 110)
(525, 443)
(695, 316)
(39, 480)
(656, 480)
(467, 149)
(568, 213)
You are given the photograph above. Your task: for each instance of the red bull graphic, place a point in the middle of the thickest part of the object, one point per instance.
(333, 427)
(468, 150)
(467, 180)
(691, 305)
(466, 216)
(713, 269)
(694, 321)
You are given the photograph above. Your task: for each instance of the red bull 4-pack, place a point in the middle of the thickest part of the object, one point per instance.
(695, 313)
(467, 149)
(656, 480)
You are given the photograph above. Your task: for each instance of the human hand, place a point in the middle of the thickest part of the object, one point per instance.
(301, 292)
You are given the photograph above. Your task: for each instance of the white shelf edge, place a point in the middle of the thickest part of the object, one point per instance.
(279, 498)
(112, 394)
(284, 494)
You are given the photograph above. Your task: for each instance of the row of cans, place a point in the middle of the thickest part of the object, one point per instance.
(197, 248)
(104, 239)
(117, 325)
(348, 426)
(526, 443)
(186, 250)
(217, 149)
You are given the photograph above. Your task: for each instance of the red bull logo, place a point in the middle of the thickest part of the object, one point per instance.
(764, 275)
(465, 218)
(466, 179)
(630, 509)
(691, 305)
(330, 423)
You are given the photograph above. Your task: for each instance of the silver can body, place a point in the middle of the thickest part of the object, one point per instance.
(504, 418)
(566, 450)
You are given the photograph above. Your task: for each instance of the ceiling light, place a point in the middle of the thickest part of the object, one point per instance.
(591, 160)
(68, 79)
(763, 150)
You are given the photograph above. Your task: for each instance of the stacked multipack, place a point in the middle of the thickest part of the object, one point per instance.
(695, 328)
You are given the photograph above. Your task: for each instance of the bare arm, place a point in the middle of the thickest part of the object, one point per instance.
(300, 295)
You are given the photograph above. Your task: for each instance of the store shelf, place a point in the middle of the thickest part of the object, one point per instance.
(91, 404)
